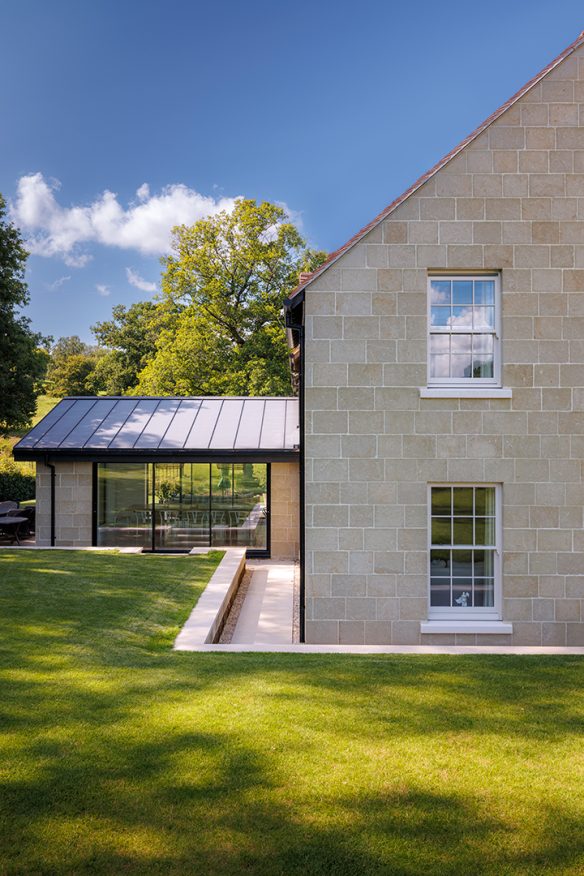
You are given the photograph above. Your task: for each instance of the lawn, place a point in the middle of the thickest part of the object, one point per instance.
(120, 756)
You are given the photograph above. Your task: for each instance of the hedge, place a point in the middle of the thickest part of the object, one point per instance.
(15, 484)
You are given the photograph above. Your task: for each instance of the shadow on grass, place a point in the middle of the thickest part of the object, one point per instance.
(118, 755)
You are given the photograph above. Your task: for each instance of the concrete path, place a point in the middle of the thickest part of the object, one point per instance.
(266, 614)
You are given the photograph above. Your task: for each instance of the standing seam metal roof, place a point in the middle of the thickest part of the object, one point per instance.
(145, 424)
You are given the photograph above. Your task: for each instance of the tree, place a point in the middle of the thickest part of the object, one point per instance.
(71, 368)
(130, 338)
(224, 287)
(22, 359)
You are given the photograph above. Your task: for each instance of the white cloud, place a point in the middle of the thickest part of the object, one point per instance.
(103, 290)
(55, 230)
(143, 193)
(134, 279)
(56, 284)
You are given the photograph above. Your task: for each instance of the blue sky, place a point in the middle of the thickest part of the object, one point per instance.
(178, 106)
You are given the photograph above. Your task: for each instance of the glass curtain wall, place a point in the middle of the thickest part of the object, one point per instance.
(124, 505)
(182, 505)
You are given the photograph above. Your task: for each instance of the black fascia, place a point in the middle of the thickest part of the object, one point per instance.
(150, 455)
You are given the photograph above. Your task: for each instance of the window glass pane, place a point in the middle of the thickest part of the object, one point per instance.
(484, 564)
(462, 530)
(482, 366)
(462, 292)
(124, 505)
(461, 343)
(440, 292)
(440, 563)
(485, 501)
(440, 592)
(441, 500)
(461, 366)
(482, 344)
(439, 344)
(484, 318)
(182, 505)
(485, 530)
(461, 316)
(239, 505)
(463, 501)
(461, 564)
(484, 292)
(440, 315)
(462, 593)
(441, 530)
(484, 592)
(440, 366)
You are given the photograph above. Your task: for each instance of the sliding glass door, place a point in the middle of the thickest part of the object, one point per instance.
(182, 505)
(178, 506)
(124, 505)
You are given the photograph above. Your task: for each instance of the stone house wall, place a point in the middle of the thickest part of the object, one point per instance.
(512, 202)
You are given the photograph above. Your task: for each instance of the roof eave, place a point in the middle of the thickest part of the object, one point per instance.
(154, 455)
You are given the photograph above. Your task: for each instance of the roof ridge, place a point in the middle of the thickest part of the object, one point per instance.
(438, 166)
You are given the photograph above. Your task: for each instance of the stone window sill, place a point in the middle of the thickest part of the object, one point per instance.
(464, 627)
(462, 392)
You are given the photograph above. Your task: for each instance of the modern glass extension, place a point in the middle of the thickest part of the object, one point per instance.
(178, 506)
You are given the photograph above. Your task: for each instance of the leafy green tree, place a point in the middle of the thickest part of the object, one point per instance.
(130, 338)
(22, 360)
(224, 286)
(72, 368)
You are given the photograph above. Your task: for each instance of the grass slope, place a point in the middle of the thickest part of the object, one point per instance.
(120, 756)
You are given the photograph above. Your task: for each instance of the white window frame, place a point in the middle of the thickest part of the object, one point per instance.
(466, 383)
(471, 614)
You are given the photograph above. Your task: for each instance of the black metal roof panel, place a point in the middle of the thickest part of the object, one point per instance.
(144, 426)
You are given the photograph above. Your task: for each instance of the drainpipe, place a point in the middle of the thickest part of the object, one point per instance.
(53, 483)
(299, 327)
(302, 487)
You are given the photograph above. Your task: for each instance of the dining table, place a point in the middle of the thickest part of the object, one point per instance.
(12, 525)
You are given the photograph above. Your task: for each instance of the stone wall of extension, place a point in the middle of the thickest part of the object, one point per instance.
(511, 202)
(73, 488)
(285, 513)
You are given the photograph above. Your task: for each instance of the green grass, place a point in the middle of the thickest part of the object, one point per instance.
(120, 756)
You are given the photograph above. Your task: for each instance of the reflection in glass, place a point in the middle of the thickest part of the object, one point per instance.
(461, 366)
(440, 292)
(485, 530)
(238, 505)
(440, 316)
(441, 500)
(124, 509)
(440, 591)
(441, 530)
(186, 504)
(462, 323)
(463, 501)
(462, 292)
(462, 530)
(462, 575)
(484, 291)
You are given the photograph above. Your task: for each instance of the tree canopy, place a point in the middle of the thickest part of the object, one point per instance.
(223, 290)
(22, 358)
(130, 338)
(72, 368)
